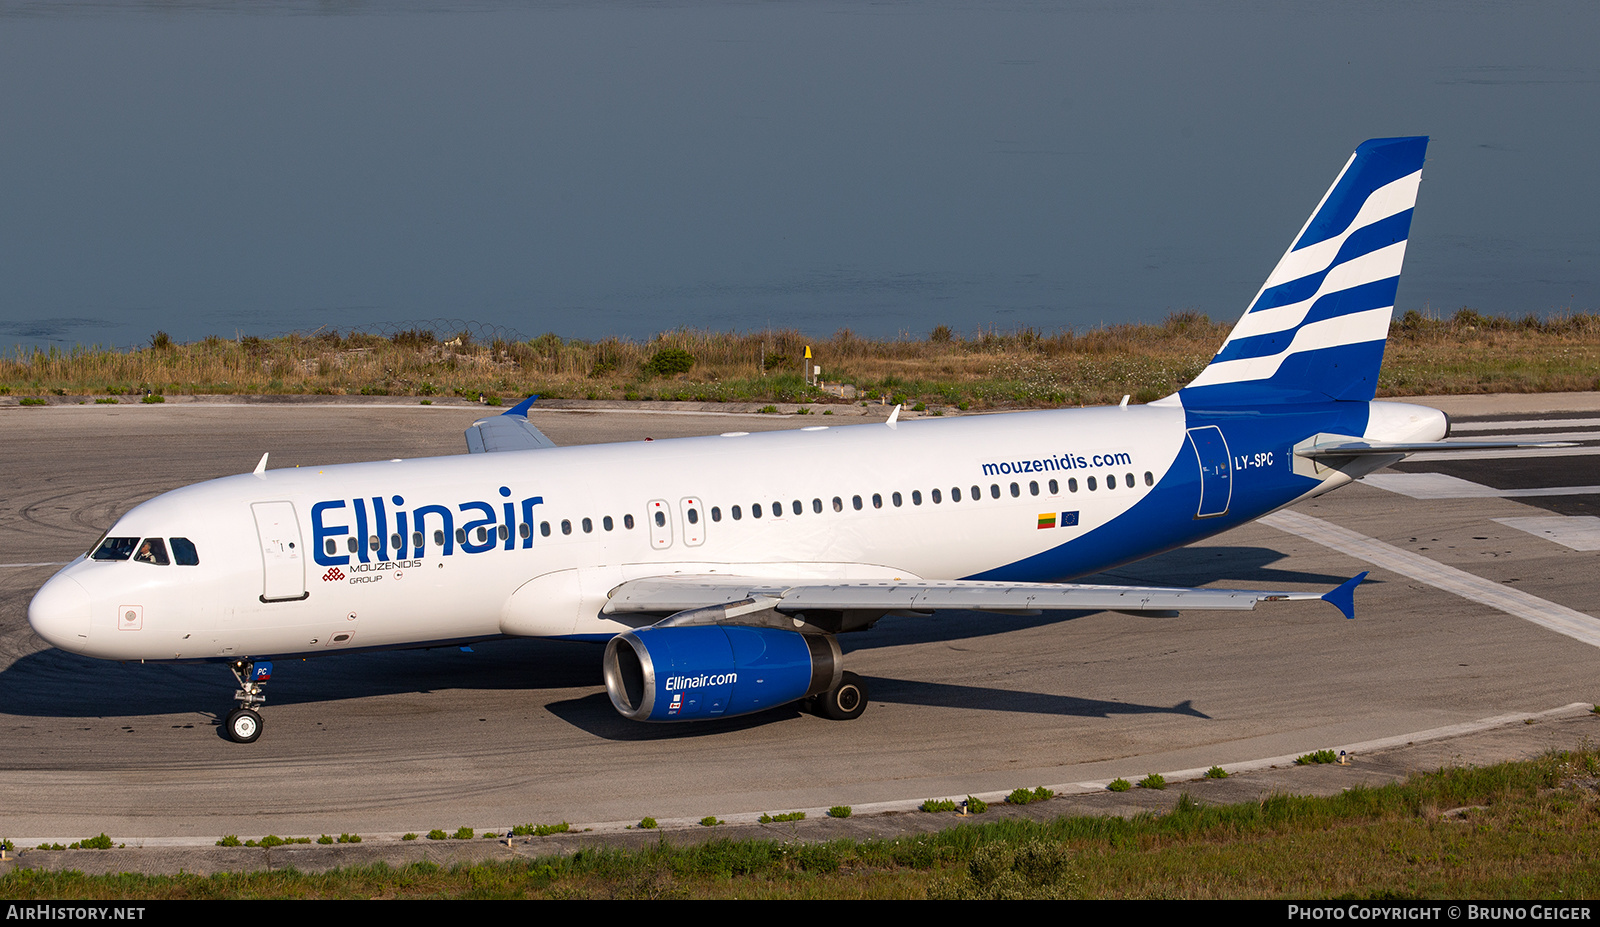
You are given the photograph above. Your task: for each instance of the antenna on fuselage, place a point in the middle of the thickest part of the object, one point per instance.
(262, 466)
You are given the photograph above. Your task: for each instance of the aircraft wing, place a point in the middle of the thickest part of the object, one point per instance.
(684, 593)
(508, 431)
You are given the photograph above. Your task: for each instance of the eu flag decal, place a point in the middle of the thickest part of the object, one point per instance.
(1057, 520)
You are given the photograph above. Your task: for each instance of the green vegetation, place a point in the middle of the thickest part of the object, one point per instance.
(648, 823)
(1153, 781)
(780, 818)
(1024, 796)
(1466, 353)
(1119, 784)
(437, 834)
(936, 805)
(1511, 831)
(1216, 772)
(976, 805)
(1321, 756)
(710, 820)
(544, 830)
(462, 833)
(839, 811)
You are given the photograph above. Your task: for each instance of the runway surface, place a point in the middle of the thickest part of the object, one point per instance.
(1481, 603)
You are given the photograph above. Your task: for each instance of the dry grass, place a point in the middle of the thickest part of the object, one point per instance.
(1465, 354)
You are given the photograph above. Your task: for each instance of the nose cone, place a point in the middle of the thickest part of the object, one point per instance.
(59, 613)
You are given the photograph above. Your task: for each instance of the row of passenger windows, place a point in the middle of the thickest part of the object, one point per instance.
(935, 496)
(152, 550)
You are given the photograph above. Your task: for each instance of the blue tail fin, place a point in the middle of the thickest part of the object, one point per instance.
(1317, 328)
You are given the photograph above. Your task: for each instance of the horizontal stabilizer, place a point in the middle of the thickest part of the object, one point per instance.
(1371, 448)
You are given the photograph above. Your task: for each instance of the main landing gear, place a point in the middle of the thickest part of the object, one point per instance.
(845, 701)
(243, 724)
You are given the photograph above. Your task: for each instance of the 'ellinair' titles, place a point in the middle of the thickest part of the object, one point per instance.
(1058, 462)
(373, 531)
(677, 683)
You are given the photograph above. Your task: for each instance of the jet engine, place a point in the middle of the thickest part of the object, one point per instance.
(716, 671)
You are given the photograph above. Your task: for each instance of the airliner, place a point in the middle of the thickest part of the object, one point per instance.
(719, 571)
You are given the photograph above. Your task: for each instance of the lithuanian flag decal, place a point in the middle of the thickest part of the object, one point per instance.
(1047, 520)
(1057, 520)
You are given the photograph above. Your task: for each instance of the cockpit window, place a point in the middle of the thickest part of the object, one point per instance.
(152, 550)
(183, 551)
(115, 548)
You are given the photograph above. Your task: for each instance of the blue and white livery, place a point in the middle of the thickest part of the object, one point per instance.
(720, 570)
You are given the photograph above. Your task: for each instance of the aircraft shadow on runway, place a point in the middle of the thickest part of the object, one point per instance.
(51, 683)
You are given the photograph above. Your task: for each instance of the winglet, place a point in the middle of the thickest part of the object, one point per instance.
(522, 407)
(262, 466)
(1344, 597)
(894, 417)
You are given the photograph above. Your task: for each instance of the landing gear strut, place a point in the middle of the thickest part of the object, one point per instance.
(243, 724)
(845, 701)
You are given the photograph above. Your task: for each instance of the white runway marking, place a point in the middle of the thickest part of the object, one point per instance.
(1440, 486)
(1515, 602)
(1579, 532)
(1466, 427)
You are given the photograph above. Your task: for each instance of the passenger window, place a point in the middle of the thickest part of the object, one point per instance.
(1149, 479)
(955, 494)
(461, 535)
(588, 524)
(816, 506)
(736, 513)
(755, 510)
(153, 550)
(1127, 480)
(116, 548)
(994, 490)
(1017, 490)
(661, 520)
(856, 502)
(524, 531)
(977, 493)
(777, 510)
(798, 508)
(895, 499)
(608, 524)
(330, 547)
(716, 515)
(1072, 484)
(374, 542)
(1054, 487)
(544, 529)
(936, 499)
(566, 525)
(838, 504)
(416, 538)
(483, 535)
(694, 516)
(1111, 481)
(352, 544)
(916, 497)
(396, 541)
(185, 554)
(877, 500)
(1033, 487)
(1090, 481)
(438, 537)
(504, 531)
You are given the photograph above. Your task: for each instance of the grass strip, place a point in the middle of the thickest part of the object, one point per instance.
(1467, 353)
(1510, 831)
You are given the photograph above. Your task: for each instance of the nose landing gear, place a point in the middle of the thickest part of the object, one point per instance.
(243, 724)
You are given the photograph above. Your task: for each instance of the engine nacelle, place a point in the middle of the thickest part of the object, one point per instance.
(715, 671)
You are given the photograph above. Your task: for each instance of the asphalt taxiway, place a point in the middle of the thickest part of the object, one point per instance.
(1481, 605)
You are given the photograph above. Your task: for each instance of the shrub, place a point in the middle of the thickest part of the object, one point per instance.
(409, 837)
(325, 840)
(1024, 796)
(31, 401)
(976, 805)
(648, 823)
(669, 361)
(936, 805)
(1153, 781)
(154, 397)
(781, 818)
(1119, 784)
(437, 834)
(839, 811)
(1216, 772)
(710, 820)
(230, 841)
(1321, 756)
(462, 833)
